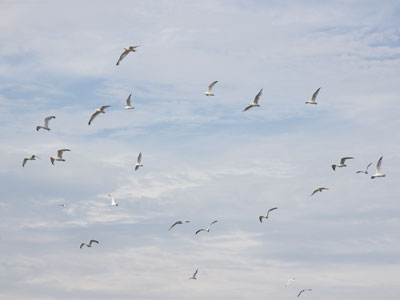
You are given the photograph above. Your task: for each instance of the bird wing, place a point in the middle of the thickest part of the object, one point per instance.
(177, 222)
(314, 96)
(24, 162)
(314, 192)
(368, 167)
(260, 218)
(202, 229)
(248, 107)
(213, 222)
(122, 56)
(211, 86)
(195, 273)
(257, 96)
(104, 107)
(47, 119)
(112, 199)
(300, 293)
(94, 115)
(378, 165)
(271, 209)
(83, 244)
(139, 158)
(60, 152)
(93, 241)
(343, 159)
(128, 100)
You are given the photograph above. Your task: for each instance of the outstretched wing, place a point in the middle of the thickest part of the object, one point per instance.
(317, 190)
(368, 167)
(260, 218)
(195, 273)
(213, 222)
(172, 226)
(345, 158)
(24, 162)
(378, 165)
(94, 115)
(211, 86)
(83, 244)
(314, 96)
(61, 151)
(104, 107)
(93, 241)
(258, 96)
(248, 107)
(300, 293)
(122, 56)
(139, 158)
(128, 100)
(47, 119)
(271, 209)
(202, 229)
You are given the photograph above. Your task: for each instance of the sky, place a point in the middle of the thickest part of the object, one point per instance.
(204, 159)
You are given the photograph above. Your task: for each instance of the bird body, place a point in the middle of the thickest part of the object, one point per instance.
(290, 280)
(366, 170)
(98, 111)
(342, 163)
(320, 189)
(194, 275)
(314, 96)
(126, 52)
(59, 156)
(46, 123)
(255, 101)
(208, 228)
(113, 203)
(139, 161)
(209, 90)
(33, 157)
(266, 217)
(378, 172)
(128, 103)
(88, 245)
(176, 223)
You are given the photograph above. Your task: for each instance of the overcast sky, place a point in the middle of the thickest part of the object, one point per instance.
(204, 159)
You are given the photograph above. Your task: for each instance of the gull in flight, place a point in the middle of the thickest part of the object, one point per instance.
(266, 217)
(290, 280)
(206, 229)
(126, 52)
(33, 157)
(113, 203)
(366, 170)
(378, 169)
(255, 102)
(314, 96)
(320, 189)
(46, 123)
(210, 87)
(62, 205)
(88, 245)
(194, 275)
(97, 112)
(342, 163)
(302, 291)
(139, 161)
(176, 223)
(59, 156)
(128, 103)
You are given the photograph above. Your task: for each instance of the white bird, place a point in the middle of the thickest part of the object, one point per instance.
(206, 229)
(113, 203)
(33, 157)
(126, 52)
(88, 245)
(59, 156)
(290, 280)
(314, 96)
(366, 170)
(378, 169)
(139, 161)
(320, 189)
(266, 217)
(302, 291)
(255, 102)
(97, 112)
(210, 87)
(128, 103)
(176, 223)
(194, 275)
(62, 205)
(342, 163)
(46, 123)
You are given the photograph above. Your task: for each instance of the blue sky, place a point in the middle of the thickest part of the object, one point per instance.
(204, 159)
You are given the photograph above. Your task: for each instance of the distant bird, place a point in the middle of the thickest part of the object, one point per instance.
(342, 163)
(314, 96)
(194, 275)
(206, 229)
(46, 123)
(88, 245)
(255, 102)
(266, 217)
(290, 280)
(302, 291)
(59, 156)
(320, 189)
(126, 52)
(62, 205)
(128, 103)
(210, 87)
(366, 170)
(113, 203)
(176, 223)
(33, 157)
(139, 161)
(378, 169)
(98, 111)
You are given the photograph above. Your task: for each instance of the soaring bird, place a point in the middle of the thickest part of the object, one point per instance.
(176, 223)
(255, 102)
(88, 245)
(208, 228)
(290, 280)
(302, 291)
(128, 103)
(210, 87)
(266, 217)
(59, 156)
(139, 161)
(366, 170)
(342, 163)
(194, 275)
(113, 203)
(98, 111)
(314, 96)
(126, 52)
(33, 157)
(320, 189)
(46, 123)
(378, 169)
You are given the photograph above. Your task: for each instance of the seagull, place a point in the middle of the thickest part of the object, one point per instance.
(342, 163)
(98, 111)
(210, 87)
(128, 103)
(378, 169)
(255, 102)
(139, 161)
(302, 291)
(194, 275)
(113, 203)
(59, 156)
(88, 245)
(290, 280)
(320, 189)
(176, 223)
(366, 170)
(62, 205)
(314, 96)
(33, 157)
(206, 229)
(46, 123)
(125, 53)
(266, 217)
